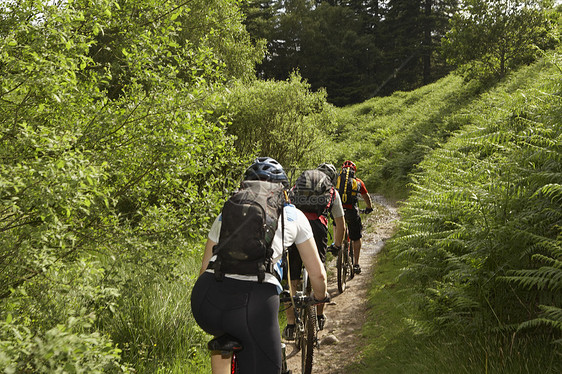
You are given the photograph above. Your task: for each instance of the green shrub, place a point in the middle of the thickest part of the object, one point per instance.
(279, 119)
(72, 347)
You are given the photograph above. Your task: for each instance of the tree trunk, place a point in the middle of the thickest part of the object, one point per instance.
(426, 54)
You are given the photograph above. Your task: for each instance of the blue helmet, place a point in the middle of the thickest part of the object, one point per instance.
(266, 169)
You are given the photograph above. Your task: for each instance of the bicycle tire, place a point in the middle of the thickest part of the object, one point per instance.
(351, 261)
(342, 267)
(308, 339)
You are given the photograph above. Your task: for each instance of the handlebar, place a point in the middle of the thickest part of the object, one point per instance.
(300, 299)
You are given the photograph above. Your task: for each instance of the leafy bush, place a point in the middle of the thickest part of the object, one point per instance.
(283, 120)
(73, 347)
(489, 39)
(110, 164)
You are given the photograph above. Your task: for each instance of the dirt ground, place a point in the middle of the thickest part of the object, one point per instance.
(348, 311)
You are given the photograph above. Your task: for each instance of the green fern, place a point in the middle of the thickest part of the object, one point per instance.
(485, 212)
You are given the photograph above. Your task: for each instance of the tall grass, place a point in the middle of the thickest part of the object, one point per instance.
(155, 328)
(387, 137)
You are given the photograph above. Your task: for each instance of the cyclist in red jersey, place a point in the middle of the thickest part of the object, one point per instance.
(351, 208)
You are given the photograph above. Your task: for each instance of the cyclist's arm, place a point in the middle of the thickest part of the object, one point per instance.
(339, 230)
(365, 195)
(207, 255)
(339, 220)
(367, 199)
(313, 264)
(212, 240)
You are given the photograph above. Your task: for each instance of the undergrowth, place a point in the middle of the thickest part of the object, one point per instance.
(394, 346)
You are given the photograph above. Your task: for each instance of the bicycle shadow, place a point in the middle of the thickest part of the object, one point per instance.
(291, 349)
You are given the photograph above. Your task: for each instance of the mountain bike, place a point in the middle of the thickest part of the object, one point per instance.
(345, 262)
(229, 345)
(306, 326)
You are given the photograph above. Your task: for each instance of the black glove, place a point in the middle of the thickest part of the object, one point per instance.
(368, 210)
(334, 249)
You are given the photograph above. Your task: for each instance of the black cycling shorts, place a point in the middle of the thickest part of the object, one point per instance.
(320, 232)
(246, 310)
(354, 225)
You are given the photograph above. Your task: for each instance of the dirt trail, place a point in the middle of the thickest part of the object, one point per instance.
(348, 311)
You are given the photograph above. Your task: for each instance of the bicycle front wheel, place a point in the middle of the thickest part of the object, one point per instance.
(342, 268)
(308, 339)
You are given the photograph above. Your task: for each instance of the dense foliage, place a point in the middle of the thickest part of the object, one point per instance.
(482, 228)
(282, 119)
(353, 49)
(488, 39)
(360, 49)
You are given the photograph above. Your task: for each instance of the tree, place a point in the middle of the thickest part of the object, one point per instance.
(107, 157)
(332, 44)
(409, 37)
(280, 119)
(489, 38)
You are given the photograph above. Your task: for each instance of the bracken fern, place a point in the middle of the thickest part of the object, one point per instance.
(481, 229)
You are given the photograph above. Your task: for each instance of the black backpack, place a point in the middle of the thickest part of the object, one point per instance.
(347, 186)
(313, 192)
(249, 222)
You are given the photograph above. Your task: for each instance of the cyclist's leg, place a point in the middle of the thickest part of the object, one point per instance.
(209, 317)
(356, 249)
(262, 345)
(246, 310)
(355, 227)
(220, 364)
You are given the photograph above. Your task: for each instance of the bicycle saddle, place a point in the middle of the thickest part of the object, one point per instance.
(225, 343)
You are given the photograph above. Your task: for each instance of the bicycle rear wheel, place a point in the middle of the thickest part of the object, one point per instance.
(343, 269)
(350, 261)
(308, 339)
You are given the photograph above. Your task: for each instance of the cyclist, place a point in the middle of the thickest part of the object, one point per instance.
(241, 305)
(355, 186)
(319, 222)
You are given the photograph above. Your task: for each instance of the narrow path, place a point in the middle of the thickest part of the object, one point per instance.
(348, 311)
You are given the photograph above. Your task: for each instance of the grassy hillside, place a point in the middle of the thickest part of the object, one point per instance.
(387, 137)
(471, 282)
